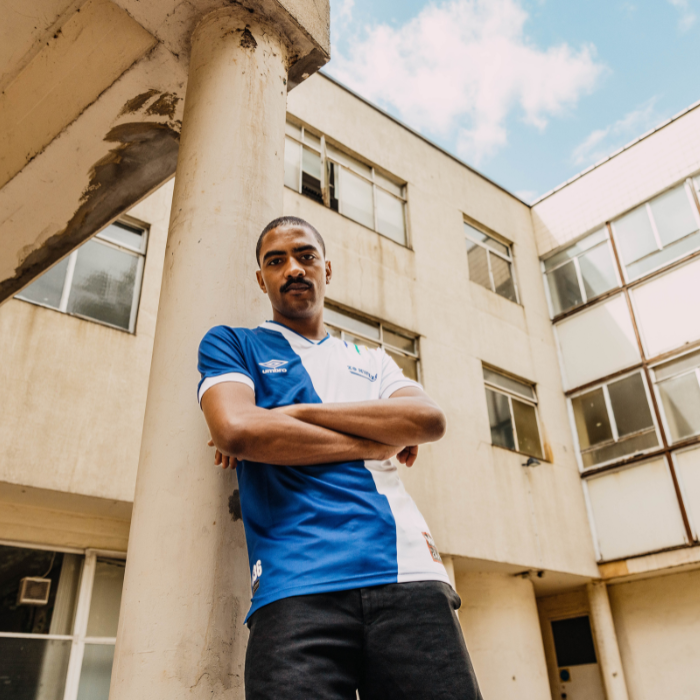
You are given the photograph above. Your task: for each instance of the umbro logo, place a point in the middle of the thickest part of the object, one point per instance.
(273, 366)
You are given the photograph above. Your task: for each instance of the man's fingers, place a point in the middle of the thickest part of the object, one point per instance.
(412, 455)
(210, 443)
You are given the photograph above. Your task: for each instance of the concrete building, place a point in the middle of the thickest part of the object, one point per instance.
(561, 339)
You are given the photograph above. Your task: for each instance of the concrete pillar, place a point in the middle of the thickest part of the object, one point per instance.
(449, 565)
(606, 642)
(187, 587)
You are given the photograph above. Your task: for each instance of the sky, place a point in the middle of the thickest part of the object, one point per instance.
(528, 92)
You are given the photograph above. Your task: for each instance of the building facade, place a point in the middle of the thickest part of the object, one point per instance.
(561, 339)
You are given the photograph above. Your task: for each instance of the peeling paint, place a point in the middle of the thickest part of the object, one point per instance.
(248, 40)
(234, 506)
(136, 103)
(146, 156)
(164, 106)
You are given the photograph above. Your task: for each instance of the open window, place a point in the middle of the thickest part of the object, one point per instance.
(490, 263)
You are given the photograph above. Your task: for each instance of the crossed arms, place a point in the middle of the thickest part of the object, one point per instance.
(305, 434)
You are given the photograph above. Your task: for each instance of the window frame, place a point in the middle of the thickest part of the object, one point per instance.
(380, 341)
(691, 190)
(579, 276)
(509, 258)
(510, 395)
(72, 258)
(327, 159)
(637, 454)
(79, 637)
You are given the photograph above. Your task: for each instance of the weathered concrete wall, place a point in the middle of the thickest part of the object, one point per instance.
(502, 631)
(479, 501)
(74, 391)
(658, 629)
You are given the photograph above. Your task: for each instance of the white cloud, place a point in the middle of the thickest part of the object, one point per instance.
(687, 15)
(528, 196)
(463, 67)
(602, 142)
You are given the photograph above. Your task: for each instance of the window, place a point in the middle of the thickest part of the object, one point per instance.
(678, 387)
(656, 233)
(581, 272)
(512, 407)
(346, 185)
(635, 510)
(101, 280)
(596, 342)
(687, 464)
(490, 263)
(62, 649)
(614, 420)
(357, 330)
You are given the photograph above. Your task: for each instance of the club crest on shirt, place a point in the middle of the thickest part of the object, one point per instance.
(431, 546)
(255, 578)
(273, 366)
(359, 372)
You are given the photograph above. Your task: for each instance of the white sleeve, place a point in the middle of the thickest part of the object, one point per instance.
(392, 378)
(209, 382)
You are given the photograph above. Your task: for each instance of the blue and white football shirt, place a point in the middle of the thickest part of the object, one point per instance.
(327, 527)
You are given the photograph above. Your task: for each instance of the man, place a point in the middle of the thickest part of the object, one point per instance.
(348, 589)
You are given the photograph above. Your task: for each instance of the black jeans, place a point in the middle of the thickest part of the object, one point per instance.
(399, 641)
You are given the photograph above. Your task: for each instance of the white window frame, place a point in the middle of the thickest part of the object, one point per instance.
(339, 169)
(579, 276)
(79, 637)
(611, 419)
(657, 393)
(688, 187)
(520, 397)
(70, 269)
(490, 251)
(380, 341)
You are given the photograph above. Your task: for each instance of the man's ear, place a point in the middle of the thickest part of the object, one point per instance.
(261, 283)
(329, 271)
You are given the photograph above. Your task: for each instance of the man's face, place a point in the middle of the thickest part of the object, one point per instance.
(293, 272)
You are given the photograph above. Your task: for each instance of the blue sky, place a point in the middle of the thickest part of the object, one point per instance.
(530, 92)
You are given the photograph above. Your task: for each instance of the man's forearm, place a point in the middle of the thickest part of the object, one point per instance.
(274, 438)
(398, 421)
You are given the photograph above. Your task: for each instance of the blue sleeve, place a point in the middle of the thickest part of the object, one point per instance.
(221, 353)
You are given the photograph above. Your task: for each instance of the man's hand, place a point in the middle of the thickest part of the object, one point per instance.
(221, 459)
(408, 455)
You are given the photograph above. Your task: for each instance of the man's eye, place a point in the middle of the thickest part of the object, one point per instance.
(309, 256)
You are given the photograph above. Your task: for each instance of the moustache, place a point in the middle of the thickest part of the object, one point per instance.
(299, 280)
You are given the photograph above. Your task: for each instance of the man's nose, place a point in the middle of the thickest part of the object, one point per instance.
(294, 269)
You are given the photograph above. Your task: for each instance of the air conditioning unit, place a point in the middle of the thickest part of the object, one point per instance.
(34, 591)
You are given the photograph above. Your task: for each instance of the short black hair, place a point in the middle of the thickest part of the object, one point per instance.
(288, 221)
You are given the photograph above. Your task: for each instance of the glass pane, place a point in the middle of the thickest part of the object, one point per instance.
(478, 264)
(576, 249)
(339, 318)
(663, 257)
(666, 309)
(502, 272)
(63, 570)
(681, 364)
(597, 342)
(634, 235)
(349, 161)
(622, 448)
(390, 219)
(125, 235)
(409, 365)
(389, 185)
(292, 130)
(399, 341)
(597, 271)
(492, 243)
(96, 672)
(499, 420)
(351, 339)
(564, 288)
(673, 216)
(356, 199)
(688, 470)
(292, 164)
(591, 416)
(103, 284)
(33, 669)
(680, 398)
(311, 175)
(106, 598)
(508, 383)
(526, 429)
(48, 287)
(635, 510)
(630, 405)
(311, 140)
